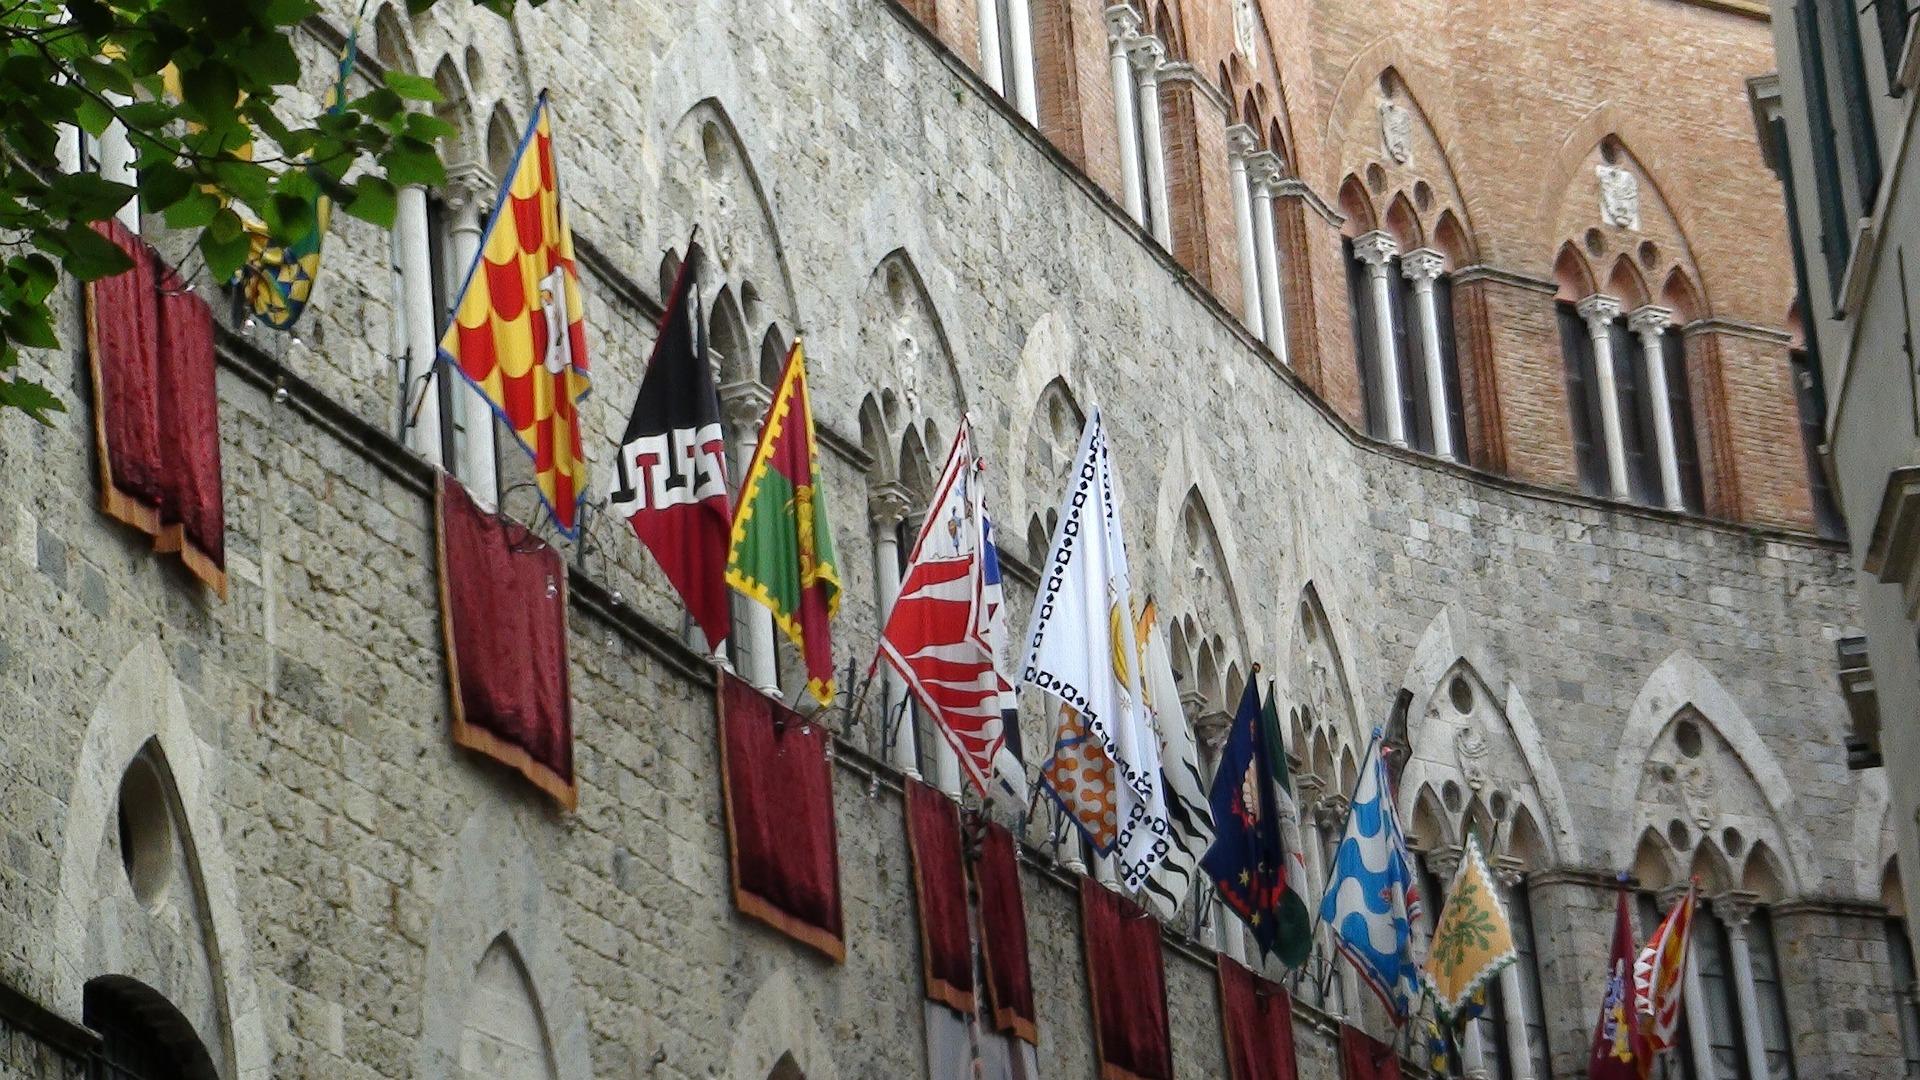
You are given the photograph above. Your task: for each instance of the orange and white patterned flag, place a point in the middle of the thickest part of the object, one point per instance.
(1660, 973)
(519, 330)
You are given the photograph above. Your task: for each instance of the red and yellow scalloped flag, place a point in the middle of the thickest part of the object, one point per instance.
(519, 331)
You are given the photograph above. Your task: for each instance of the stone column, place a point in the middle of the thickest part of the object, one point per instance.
(1263, 171)
(990, 66)
(414, 256)
(1648, 323)
(116, 164)
(1421, 267)
(1376, 249)
(468, 187)
(1241, 143)
(1020, 34)
(745, 405)
(1573, 925)
(1514, 999)
(1123, 25)
(1734, 909)
(1147, 55)
(886, 508)
(1600, 311)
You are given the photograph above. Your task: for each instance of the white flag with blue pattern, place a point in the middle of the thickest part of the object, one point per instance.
(1372, 896)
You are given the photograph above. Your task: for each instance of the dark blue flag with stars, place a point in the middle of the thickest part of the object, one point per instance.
(1248, 859)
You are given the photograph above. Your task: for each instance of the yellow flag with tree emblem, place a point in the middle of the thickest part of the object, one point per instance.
(1473, 939)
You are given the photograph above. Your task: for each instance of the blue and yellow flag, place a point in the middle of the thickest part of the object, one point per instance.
(276, 281)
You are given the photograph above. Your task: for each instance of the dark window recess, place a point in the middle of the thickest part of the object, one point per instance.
(1776, 1037)
(1450, 364)
(1583, 400)
(142, 1035)
(1892, 17)
(1836, 230)
(1407, 345)
(1686, 448)
(1848, 93)
(1520, 914)
(1360, 311)
(1811, 395)
(1636, 415)
(1905, 989)
(1713, 956)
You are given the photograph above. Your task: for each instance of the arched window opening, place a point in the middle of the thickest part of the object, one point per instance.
(142, 1035)
(504, 1036)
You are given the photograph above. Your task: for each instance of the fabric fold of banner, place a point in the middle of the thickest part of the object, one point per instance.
(1247, 862)
(1618, 1051)
(670, 472)
(1256, 1019)
(940, 886)
(518, 331)
(1372, 897)
(781, 555)
(1127, 981)
(156, 408)
(1472, 940)
(1105, 770)
(1189, 815)
(937, 635)
(782, 841)
(1003, 935)
(503, 613)
(1659, 976)
(1363, 1057)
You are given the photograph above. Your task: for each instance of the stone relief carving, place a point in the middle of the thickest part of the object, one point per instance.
(1243, 27)
(1396, 131)
(1471, 747)
(1619, 197)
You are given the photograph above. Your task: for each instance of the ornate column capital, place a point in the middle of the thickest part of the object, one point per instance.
(1147, 55)
(1330, 814)
(1735, 908)
(1598, 309)
(1122, 22)
(1671, 896)
(1422, 265)
(1208, 724)
(1511, 871)
(745, 404)
(1650, 319)
(1263, 168)
(1444, 862)
(469, 186)
(887, 506)
(1242, 141)
(1376, 247)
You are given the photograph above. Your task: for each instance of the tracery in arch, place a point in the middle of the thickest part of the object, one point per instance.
(1466, 770)
(1698, 807)
(1613, 217)
(908, 364)
(1323, 723)
(1053, 434)
(1205, 640)
(1398, 175)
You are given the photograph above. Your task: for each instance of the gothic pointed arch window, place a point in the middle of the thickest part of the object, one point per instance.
(142, 1035)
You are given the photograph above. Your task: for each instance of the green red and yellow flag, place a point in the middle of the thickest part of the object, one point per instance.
(782, 551)
(519, 330)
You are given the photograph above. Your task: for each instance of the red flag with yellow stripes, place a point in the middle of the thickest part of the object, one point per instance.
(519, 330)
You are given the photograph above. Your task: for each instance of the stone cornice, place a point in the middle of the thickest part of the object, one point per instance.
(1736, 328)
(1295, 188)
(1466, 275)
(1830, 906)
(1181, 71)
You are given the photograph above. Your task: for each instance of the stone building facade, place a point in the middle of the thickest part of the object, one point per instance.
(1446, 351)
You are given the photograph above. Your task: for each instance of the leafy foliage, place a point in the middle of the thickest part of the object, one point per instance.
(198, 85)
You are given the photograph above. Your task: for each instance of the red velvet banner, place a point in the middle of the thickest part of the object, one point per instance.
(1363, 1057)
(503, 611)
(156, 411)
(1256, 1019)
(1003, 936)
(1127, 980)
(778, 790)
(940, 884)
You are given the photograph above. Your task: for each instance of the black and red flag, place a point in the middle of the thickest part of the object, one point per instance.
(670, 477)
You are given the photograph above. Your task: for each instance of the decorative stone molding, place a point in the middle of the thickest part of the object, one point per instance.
(1147, 54)
(1122, 22)
(1264, 170)
(1376, 247)
(1619, 197)
(1294, 188)
(1650, 319)
(1245, 25)
(1511, 871)
(469, 184)
(1242, 141)
(888, 505)
(744, 403)
(1598, 309)
(1736, 907)
(1444, 862)
(1893, 549)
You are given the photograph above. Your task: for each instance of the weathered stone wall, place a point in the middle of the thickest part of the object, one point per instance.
(353, 868)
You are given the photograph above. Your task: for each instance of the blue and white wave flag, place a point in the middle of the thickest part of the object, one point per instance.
(1372, 896)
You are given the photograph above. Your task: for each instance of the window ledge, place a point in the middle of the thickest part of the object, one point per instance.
(1853, 283)
(1893, 553)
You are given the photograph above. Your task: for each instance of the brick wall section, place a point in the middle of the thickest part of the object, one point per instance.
(1529, 373)
(1195, 231)
(1756, 382)
(1299, 295)
(1479, 389)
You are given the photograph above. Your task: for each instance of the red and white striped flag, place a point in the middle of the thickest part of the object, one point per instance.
(938, 633)
(1660, 973)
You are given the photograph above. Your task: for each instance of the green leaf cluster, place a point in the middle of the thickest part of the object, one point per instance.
(201, 88)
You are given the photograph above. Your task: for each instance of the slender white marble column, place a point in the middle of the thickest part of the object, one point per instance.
(745, 405)
(1734, 909)
(416, 293)
(1263, 172)
(1422, 267)
(1020, 33)
(116, 164)
(1514, 1000)
(1123, 25)
(1600, 311)
(990, 65)
(1148, 54)
(1377, 249)
(887, 508)
(468, 187)
(1649, 323)
(1241, 143)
